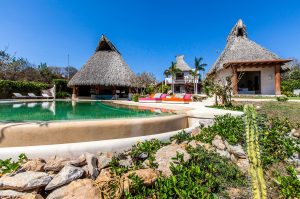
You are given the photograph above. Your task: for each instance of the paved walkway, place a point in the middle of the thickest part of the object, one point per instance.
(193, 109)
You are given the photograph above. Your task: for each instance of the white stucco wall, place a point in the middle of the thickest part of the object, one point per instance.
(267, 78)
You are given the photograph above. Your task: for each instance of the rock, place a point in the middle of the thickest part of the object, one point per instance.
(195, 132)
(92, 163)
(243, 164)
(126, 162)
(10, 194)
(143, 155)
(34, 165)
(79, 189)
(194, 143)
(86, 171)
(238, 151)
(66, 175)
(206, 122)
(104, 159)
(228, 146)
(235, 193)
(233, 158)
(28, 180)
(56, 163)
(146, 164)
(164, 157)
(296, 133)
(104, 176)
(222, 153)
(78, 162)
(147, 175)
(218, 143)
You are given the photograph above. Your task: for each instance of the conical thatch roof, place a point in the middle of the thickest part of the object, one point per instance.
(181, 64)
(241, 49)
(106, 67)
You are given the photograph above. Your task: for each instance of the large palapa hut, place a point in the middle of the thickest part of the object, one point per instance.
(252, 68)
(104, 76)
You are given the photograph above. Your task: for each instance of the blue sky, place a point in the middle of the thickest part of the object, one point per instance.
(148, 33)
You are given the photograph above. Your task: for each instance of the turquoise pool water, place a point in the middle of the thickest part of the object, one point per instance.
(68, 110)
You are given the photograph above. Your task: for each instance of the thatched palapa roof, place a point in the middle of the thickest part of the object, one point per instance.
(181, 64)
(241, 49)
(105, 67)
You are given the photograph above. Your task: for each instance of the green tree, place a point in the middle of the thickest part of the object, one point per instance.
(199, 66)
(172, 71)
(195, 75)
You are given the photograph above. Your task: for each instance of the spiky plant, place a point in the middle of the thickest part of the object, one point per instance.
(252, 139)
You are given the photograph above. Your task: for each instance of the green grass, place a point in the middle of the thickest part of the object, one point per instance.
(281, 110)
(231, 107)
(263, 97)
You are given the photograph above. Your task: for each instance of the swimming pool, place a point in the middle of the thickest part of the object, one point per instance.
(70, 110)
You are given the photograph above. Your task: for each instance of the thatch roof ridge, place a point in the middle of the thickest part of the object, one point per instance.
(181, 64)
(240, 48)
(105, 67)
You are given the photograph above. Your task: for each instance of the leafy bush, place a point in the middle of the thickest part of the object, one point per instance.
(62, 94)
(229, 127)
(205, 175)
(62, 89)
(8, 166)
(289, 185)
(135, 97)
(276, 144)
(164, 89)
(7, 88)
(228, 107)
(181, 137)
(282, 98)
(147, 148)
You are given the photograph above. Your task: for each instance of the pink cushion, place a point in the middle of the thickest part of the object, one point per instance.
(163, 96)
(187, 96)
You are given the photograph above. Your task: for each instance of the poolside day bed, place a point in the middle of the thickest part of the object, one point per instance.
(46, 96)
(32, 95)
(181, 98)
(19, 96)
(154, 98)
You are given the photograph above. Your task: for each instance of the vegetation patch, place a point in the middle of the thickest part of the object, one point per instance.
(228, 107)
(9, 166)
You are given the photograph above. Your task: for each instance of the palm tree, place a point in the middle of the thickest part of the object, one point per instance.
(171, 71)
(194, 74)
(199, 66)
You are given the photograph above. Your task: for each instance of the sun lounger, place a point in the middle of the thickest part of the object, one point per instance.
(32, 95)
(153, 98)
(19, 96)
(178, 98)
(45, 95)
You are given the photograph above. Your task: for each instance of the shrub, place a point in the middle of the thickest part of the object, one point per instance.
(229, 127)
(7, 88)
(164, 89)
(282, 98)
(135, 97)
(62, 94)
(181, 137)
(8, 166)
(289, 185)
(62, 89)
(276, 145)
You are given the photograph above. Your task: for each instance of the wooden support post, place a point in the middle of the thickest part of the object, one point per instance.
(234, 81)
(74, 96)
(277, 80)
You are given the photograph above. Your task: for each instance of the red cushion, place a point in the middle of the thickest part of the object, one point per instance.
(187, 96)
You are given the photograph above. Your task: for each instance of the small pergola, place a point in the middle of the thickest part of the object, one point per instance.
(276, 64)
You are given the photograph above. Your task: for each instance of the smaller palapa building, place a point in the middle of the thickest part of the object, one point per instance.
(104, 76)
(252, 68)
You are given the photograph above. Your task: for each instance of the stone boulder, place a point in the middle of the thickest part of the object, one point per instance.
(79, 161)
(218, 143)
(56, 163)
(164, 157)
(25, 181)
(66, 175)
(127, 162)
(79, 189)
(243, 164)
(195, 132)
(104, 159)
(194, 143)
(34, 165)
(147, 175)
(222, 153)
(92, 163)
(10, 194)
(296, 133)
(238, 151)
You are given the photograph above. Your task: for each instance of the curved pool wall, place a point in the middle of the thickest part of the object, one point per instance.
(76, 149)
(52, 133)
